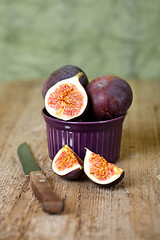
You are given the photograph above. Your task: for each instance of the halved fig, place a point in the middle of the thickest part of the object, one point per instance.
(67, 99)
(67, 164)
(100, 171)
(64, 72)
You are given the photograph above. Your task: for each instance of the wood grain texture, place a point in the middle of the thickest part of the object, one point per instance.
(129, 210)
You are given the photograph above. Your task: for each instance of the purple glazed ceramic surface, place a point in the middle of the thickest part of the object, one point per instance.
(103, 137)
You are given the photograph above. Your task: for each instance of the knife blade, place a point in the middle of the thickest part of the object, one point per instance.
(41, 187)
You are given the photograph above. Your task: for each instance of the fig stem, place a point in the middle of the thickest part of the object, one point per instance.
(80, 74)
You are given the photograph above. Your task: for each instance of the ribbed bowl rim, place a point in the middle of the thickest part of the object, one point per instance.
(81, 123)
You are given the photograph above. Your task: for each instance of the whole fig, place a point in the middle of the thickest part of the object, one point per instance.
(109, 97)
(62, 73)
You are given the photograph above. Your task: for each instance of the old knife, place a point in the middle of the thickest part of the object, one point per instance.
(41, 187)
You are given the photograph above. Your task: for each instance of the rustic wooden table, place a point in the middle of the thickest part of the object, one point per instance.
(129, 210)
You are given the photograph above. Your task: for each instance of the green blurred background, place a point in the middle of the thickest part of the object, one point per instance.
(120, 37)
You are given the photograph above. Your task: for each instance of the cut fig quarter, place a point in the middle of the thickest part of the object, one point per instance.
(67, 99)
(67, 164)
(100, 171)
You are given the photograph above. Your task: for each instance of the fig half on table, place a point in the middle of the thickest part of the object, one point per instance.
(67, 164)
(100, 171)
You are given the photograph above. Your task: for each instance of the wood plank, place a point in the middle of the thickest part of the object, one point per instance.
(142, 162)
(130, 210)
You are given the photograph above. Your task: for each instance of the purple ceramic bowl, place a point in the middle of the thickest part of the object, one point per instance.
(102, 137)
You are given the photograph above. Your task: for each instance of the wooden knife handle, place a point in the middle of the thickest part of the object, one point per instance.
(44, 192)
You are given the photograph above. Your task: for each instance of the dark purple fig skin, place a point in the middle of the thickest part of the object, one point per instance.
(109, 97)
(73, 175)
(64, 72)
